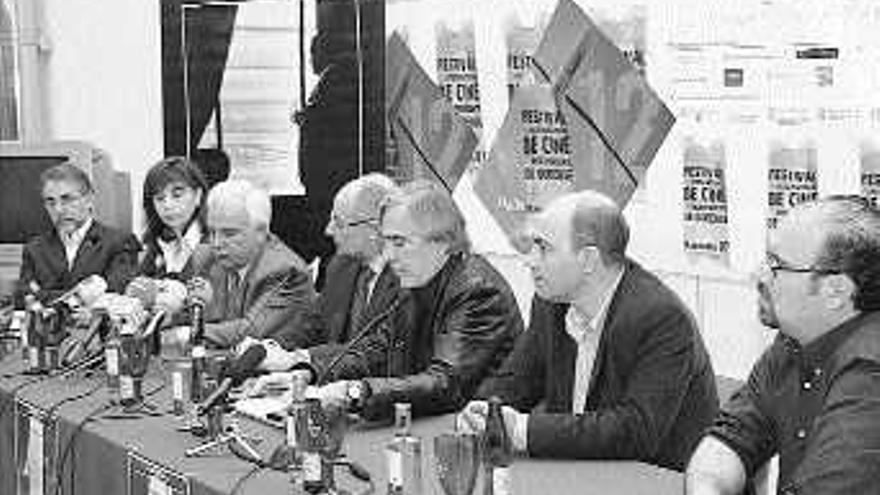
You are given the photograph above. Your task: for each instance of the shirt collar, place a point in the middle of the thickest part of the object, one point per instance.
(191, 238)
(77, 236)
(577, 319)
(815, 353)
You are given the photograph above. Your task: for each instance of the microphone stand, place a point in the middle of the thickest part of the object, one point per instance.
(222, 433)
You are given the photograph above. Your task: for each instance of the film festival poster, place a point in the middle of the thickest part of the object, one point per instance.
(869, 157)
(457, 75)
(544, 157)
(792, 179)
(521, 40)
(704, 190)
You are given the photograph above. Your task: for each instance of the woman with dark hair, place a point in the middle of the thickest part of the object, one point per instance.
(175, 192)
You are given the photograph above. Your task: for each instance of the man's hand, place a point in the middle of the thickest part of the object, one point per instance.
(472, 419)
(334, 395)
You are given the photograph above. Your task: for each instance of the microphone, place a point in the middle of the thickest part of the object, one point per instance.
(143, 289)
(240, 369)
(79, 348)
(84, 293)
(199, 292)
(368, 327)
(165, 297)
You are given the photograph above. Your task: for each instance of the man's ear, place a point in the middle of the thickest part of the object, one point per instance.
(837, 289)
(588, 257)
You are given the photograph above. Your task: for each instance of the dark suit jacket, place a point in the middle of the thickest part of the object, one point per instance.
(275, 289)
(104, 251)
(445, 339)
(652, 390)
(327, 329)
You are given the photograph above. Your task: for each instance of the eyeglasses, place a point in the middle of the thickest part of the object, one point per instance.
(776, 265)
(64, 200)
(339, 223)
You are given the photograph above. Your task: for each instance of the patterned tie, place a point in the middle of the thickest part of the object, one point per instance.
(360, 300)
(234, 297)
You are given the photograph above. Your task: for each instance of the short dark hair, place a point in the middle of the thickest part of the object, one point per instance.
(852, 245)
(433, 208)
(67, 172)
(598, 221)
(166, 171)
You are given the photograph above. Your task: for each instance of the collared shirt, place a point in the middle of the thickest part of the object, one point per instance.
(375, 265)
(177, 252)
(74, 240)
(817, 406)
(586, 333)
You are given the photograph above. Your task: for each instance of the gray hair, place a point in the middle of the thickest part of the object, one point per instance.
(369, 193)
(67, 172)
(851, 245)
(243, 194)
(433, 209)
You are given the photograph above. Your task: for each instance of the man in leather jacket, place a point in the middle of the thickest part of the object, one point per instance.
(454, 323)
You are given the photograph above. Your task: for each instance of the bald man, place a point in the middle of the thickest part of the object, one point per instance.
(612, 354)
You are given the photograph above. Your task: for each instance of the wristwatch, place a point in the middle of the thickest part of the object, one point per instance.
(357, 392)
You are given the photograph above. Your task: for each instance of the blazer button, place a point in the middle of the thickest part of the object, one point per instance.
(808, 385)
(801, 434)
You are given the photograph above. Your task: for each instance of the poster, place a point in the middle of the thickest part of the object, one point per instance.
(427, 138)
(544, 159)
(521, 42)
(457, 76)
(704, 190)
(869, 158)
(792, 179)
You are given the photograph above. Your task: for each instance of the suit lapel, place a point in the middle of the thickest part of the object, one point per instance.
(383, 294)
(607, 337)
(91, 244)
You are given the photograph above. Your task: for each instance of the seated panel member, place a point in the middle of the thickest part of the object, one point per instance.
(455, 322)
(814, 395)
(258, 283)
(78, 246)
(359, 285)
(174, 201)
(613, 355)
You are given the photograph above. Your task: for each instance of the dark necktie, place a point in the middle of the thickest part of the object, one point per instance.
(234, 297)
(360, 300)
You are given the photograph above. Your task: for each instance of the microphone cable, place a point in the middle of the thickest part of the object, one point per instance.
(359, 337)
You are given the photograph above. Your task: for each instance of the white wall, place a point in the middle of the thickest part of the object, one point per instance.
(104, 81)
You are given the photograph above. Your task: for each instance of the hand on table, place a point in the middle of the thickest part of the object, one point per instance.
(472, 419)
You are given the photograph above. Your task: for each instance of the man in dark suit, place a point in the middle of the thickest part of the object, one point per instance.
(78, 246)
(612, 354)
(453, 324)
(359, 285)
(258, 283)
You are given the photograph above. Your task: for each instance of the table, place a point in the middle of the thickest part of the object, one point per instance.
(101, 451)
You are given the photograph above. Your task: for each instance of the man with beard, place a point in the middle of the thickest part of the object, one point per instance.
(78, 246)
(814, 395)
(612, 356)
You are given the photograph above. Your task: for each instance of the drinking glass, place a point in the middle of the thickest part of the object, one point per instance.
(457, 460)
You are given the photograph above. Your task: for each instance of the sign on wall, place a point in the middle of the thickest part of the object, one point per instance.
(792, 179)
(704, 203)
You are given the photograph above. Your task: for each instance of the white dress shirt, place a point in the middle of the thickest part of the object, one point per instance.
(177, 252)
(586, 332)
(73, 241)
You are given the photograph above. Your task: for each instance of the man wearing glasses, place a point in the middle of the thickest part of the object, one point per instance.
(612, 356)
(78, 246)
(814, 396)
(359, 286)
(455, 321)
(259, 285)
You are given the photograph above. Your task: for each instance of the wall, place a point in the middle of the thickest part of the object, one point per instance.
(103, 80)
(835, 116)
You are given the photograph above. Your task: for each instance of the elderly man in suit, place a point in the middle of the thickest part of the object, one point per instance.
(78, 246)
(258, 283)
(612, 354)
(359, 284)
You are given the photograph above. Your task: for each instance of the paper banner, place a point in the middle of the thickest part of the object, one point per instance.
(869, 156)
(792, 179)
(429, 139)
(530, 163)
(705, 200)
(616, 121)
(521, 41)
(457, 76)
